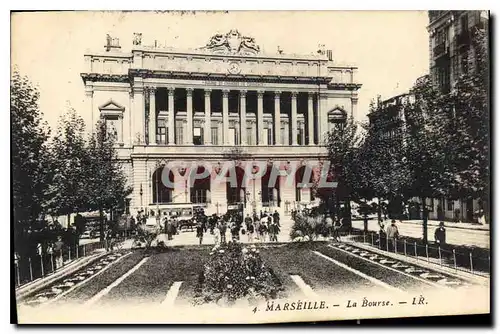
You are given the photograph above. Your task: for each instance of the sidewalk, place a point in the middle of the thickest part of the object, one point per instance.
(68, 269)
(467, 226)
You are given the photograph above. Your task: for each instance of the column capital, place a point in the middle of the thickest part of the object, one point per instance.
(189, 91)
(294, 94)
(225, 92)
(354, 99)
(171, 91)
(243, 92)
(208, 91)
(150, 89)
(311, 94)
(89, 93)
(260, 93)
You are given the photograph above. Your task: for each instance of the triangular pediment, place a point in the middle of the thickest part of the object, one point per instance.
(337, 112)
(111, 106)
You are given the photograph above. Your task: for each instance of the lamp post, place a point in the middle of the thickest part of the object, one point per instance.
(140, 194)
(217, 206)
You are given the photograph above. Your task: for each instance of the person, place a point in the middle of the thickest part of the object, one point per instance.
(109, 239)
(248, 221)
(199, 232)
(273, 231)
(169, 228)
(392, 234)
(263, 230)
(58, 248)
(250, 231)
(440, 235)
(336, 230)
(276, 217)
(235, 231)
(257, 229)
(222, 229)
(217, 234)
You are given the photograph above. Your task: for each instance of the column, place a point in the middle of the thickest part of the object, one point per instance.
(189, 111)
(322, 117)
(243, 117)
(260, 117)
(310, 118)
(139, 116)
(277, 118)
(171, 116)
(354, 106)
(152, 116)
(208, 119)
(225, 116)
(89, 99)
(294, 118)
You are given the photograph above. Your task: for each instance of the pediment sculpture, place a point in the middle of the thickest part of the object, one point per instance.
(232, 43)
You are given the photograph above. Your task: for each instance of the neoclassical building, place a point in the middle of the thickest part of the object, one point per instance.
(225, 101)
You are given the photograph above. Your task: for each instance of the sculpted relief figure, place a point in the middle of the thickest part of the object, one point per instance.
(232, 42)
(137, 38)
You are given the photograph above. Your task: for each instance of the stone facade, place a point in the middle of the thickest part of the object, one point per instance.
(225, 101)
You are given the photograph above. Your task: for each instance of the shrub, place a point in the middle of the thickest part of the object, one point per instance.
(307, 228)
(233, 272)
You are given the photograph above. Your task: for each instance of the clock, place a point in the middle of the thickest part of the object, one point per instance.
(234, 68)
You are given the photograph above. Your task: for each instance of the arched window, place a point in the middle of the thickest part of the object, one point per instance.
(235, 191)
(303, 191)
(200, 190)
(162, 190)
(270, 187)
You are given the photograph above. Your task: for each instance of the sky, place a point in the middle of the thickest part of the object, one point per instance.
(390, 48)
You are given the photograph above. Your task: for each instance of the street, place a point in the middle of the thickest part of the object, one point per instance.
(454, 236)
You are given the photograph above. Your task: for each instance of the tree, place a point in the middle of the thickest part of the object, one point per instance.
(30, 155)
(69, 167)
(428, 161)
(343, 143)
(469, 138)
(106, 185)
(384, 169)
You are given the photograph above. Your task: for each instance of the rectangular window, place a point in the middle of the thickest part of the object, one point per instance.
(250, 136)
(198, 136)
(232, 136)
(283, 140)
(161, 134)
(215, 135)
(179, 133)
(300, 134)
(449, 205)
(269, 136)
(198, 195)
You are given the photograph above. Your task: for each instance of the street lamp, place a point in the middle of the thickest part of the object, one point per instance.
(140, 194)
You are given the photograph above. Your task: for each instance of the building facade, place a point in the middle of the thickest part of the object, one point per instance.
(451, 52)
(225, 101)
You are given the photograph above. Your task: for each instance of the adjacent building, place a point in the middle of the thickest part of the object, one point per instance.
(451, 52)
(223, 101)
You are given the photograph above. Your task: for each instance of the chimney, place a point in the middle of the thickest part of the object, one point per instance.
(329, 54)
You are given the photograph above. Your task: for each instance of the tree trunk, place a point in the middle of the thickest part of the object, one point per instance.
(68, 220)
(101, 224)
(424, 217)
(379, 211)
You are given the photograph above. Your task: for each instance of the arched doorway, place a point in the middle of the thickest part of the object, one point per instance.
(235, 187)
(162, 190)
(303, 184)
(200, 187)
(270, 187)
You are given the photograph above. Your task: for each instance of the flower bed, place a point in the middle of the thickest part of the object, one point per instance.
(236, 273)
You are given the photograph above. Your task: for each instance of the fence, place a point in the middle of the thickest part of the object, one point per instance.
(458, 258)
(39, 266)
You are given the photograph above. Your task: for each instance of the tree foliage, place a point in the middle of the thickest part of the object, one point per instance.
(30, 153)
(70, 162)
